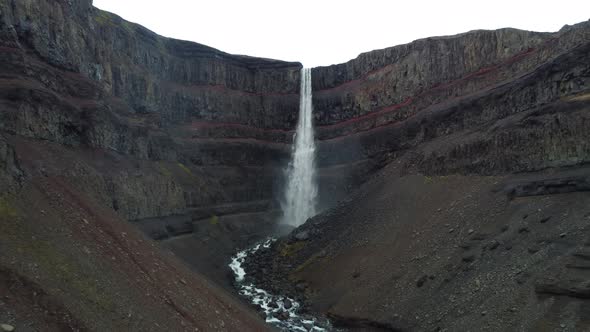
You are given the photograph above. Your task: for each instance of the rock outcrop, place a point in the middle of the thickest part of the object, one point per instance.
(387, 102)
(189, 143)
(81, 77)
(128, 125)
(478, 221)
(189, 126)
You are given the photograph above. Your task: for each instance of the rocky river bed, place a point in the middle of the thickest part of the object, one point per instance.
(281, 311)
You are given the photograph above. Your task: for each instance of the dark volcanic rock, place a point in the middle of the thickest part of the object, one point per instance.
(78, 76)
(406, 239)
(471, 131)
(302, 236)
(101, 82)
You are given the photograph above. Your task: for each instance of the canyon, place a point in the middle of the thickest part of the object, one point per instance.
(133, 166)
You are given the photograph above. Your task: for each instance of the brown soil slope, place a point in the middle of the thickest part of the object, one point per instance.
(455, 253)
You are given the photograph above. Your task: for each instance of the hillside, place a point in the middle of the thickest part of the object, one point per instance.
(479, 218)
(452, 174)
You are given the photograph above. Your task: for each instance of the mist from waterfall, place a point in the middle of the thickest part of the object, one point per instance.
(301, 192)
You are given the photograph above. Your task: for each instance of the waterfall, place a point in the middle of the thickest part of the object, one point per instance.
(300, 196)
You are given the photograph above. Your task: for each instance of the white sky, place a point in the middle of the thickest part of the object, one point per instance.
(323, 32)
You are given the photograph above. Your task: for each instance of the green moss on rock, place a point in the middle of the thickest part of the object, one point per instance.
(6, 209)
(289, 249)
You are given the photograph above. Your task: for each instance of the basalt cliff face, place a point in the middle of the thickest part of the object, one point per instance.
(478, 221)
(101, 121)
(387, 102)
(77, 76)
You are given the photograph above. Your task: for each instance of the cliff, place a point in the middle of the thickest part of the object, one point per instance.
(189, 143)
(479, 219)
(83, 78)
(102, 121)
(388, 102)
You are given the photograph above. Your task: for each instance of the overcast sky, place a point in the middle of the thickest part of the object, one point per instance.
(323, 32)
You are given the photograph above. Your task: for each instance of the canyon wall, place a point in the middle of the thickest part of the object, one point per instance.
(86, 79)
(102, 120)
(385, 103)
(479, 218)
(180, 137)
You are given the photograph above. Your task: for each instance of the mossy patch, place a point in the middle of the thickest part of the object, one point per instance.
(127, 26)
(72, 274)
(107, 19)
(6, 209)
(29, 242)
(436, 179)
(313, 259)
(185, 169)
(56, 265)
(104, 18)
(164, 170)
(214, 220)
(288, 250)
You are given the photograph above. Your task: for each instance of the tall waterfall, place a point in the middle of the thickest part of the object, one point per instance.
(300, 197)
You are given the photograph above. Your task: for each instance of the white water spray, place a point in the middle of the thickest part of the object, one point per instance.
(281, 311)
(302, 190)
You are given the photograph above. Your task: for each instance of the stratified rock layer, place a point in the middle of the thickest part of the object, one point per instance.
(479, 219)
(190, 143)
(81, 77)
